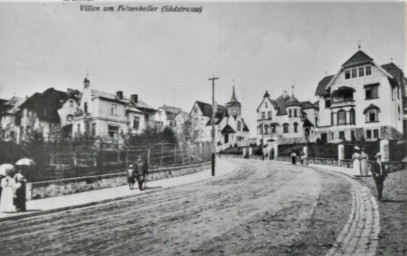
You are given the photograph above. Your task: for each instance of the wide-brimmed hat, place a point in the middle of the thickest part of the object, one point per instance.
(378, 155)
(356, 148)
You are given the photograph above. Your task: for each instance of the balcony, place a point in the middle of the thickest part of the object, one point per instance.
(343, 103)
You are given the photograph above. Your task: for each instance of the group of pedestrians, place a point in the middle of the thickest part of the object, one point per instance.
(360, 162)
(137, 172)
(12, 191)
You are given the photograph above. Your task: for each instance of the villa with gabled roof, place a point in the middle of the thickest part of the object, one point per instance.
(230, 127)
(362, 101)
(285, 119)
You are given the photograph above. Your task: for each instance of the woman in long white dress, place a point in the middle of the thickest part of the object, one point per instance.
(7, 196)
(364, 164)
(356, 162)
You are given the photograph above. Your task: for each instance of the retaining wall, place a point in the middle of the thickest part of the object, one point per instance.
(44, 189)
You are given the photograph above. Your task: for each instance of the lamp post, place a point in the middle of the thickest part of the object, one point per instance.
(213, 124)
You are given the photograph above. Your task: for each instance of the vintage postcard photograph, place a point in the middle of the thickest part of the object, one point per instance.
(203, 127)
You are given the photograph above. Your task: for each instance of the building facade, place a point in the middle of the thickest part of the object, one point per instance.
(285, 119)
(230, 127)
(47, 114)
(107, 115)
(10, 119)
(362, 101)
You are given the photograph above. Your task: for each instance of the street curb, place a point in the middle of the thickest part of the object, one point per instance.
(72, 207)
(39, 213)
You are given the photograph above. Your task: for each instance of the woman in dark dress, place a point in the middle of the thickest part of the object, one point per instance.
(20, 199)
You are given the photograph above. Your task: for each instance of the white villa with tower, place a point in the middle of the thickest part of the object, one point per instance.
(230, 127)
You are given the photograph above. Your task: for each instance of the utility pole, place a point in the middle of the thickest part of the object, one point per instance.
(262, 140)
(213, 124)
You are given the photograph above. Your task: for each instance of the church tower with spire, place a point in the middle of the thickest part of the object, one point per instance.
(234, 108)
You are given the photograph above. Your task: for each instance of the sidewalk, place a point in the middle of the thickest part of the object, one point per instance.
(60, 203)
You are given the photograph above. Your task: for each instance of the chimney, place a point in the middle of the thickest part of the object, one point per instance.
(134, 98)
(119, 94)
(86, 83)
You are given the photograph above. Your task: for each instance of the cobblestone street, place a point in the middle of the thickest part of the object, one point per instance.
(264, 208)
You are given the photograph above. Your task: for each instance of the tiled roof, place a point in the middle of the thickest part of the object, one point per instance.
(228, 129)
(46, 104)
(306, 105)
(292, 102)
(110, 96)
(321, 91)
(358, 58)
(12, 105)
(396, 73)
(307, 123)
(281, 104)
(206, 109)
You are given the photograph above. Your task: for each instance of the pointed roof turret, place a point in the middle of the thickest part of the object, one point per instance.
(233, 99)
(266, 95)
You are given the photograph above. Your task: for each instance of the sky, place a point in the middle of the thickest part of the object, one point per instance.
(167, 58)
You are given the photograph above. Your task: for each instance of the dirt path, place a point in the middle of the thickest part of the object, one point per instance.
(264, 208)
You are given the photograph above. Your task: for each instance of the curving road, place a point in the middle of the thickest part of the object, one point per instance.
(263, 208)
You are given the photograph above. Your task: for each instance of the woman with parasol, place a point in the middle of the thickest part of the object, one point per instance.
(8, 188)
(20, 199)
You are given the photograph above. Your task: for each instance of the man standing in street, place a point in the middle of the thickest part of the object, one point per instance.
(379, 175)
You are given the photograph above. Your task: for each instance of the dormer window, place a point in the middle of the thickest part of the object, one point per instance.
(361, 72)
(347, 74)
(354, 73)
(368, 71)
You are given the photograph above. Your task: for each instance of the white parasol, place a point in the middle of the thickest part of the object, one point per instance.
(6, 169)
(25, 161)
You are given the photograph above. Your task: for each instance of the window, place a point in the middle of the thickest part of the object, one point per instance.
(295, 127)
(289, 113)
(372, 115)
(341, 117)
(332, 118)
(347, 74)
(295, 113)
(354, 73)
(71, 103)
(113, 131)
(269, 114)
(342, 135)
(265, 105)
(266, 129)
(261, 129)
(368, 134)
(196, 109)
(352, 135)
(285, 128)
(263, 115)
(239, 126)
(352, 116)
(78, 128)
(113, 110)
(375, 133)
(69, 118)
(136, 123)
(273, 129)
(85, 107)
(94, 129)
(327, 103)
(372, 92)
(368, 71)
(361, 72)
